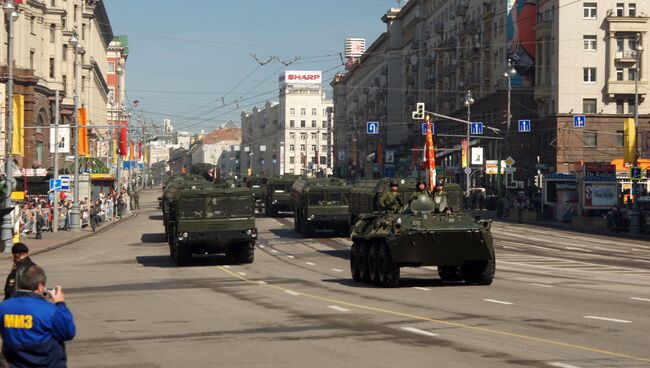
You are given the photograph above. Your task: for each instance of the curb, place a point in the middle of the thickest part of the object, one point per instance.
(76, 239)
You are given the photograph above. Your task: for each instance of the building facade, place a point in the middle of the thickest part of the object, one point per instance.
(44, 63)
(118, 52)
(292, 136)
(217, 148)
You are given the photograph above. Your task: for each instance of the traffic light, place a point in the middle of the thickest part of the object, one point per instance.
(418, 114)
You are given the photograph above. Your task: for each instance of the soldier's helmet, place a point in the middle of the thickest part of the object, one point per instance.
(394, 183)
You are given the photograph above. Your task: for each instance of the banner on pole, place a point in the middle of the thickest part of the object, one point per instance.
(18, 133)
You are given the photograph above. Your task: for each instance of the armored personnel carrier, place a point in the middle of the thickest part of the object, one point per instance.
(422, 235)
(321, 204)
(211, 218)
(277, 195)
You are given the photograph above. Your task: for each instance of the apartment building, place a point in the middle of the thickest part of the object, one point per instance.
(43, 63)
(293, 135)
(568, 57)
(116, 56)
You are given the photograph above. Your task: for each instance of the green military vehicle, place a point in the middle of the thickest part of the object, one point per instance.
(365, 194)
(258, 187)
(212, 219)
(321, 204)
(277, 195)
(171, 188)
(422, 235)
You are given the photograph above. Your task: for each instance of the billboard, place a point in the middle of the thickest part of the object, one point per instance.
(300, 77)
(62, 141)
(521, 18)
(599, 195)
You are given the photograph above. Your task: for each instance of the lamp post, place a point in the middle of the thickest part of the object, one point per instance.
(120, 105)
(508, 73)
(468, 102)
(281, 158)
(635, 215)
(75, 214)
(9, 10)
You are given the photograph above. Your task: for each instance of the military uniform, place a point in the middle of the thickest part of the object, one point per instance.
(440, 201)
(391, 202)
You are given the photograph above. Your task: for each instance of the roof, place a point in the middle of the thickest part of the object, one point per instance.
(124, 41)
(225, 134)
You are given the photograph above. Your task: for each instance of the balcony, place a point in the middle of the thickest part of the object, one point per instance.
(627, 24)
(624, 87)
(626, 56)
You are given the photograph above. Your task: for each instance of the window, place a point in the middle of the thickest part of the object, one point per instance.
(620, 9)
(313, 136)
(241, 206)
(191, 208)
(619, 45)
(324, 112)
(64, 22)
(52, 2)
(51, 67)
(631, 74)
(619, 74)
(323, 161)
(313, 148)
(292, 148)
(52, 33)
(314, 111)
(303, 123)
(39, 152)
(74, 14)
(589, 75)
(32, 21)
(216, 207)
(589, 10)
(325, 136)
(292, 123)
(64, 57)
(589, 43)
(589, 138)
(630, 106)
(83, 32)
(313, 124)
(111, 67)
(323, 148)
(324, 124)
(31, 59)
(303, 136)
(64, 81)
(619, 138)
(303, 148)
(292, 111)
(303, 111)
(631, 10)
(83, 84)
(589, 106)
(292, 160)
(292, 135)
(620, 107)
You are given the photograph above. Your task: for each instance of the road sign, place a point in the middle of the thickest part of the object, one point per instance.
(541, 166)
(509, 169)
(510, 161)
(468, 170)
(579, 121)
(635, 173)
(424, 128)
(55, 184)
(524, 125)
(477, 127)
(372, 127)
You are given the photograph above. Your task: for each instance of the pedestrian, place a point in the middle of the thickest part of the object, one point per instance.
(136, 200)
(40, 223)
(22, 261)
(33, 329)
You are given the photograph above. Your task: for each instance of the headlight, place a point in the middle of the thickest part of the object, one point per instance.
(275, 201)
(311, 217)
(185, 235)
(249, 232)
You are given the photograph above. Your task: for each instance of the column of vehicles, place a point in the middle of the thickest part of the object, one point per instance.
(207, 216)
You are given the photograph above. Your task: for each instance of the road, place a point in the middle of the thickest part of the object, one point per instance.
(559, 299)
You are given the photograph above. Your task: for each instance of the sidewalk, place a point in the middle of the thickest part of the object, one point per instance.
(52, 241)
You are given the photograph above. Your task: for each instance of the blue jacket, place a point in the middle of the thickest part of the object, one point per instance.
(33, 330)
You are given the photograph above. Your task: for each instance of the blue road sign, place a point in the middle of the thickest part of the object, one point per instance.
(579, 121)
(635, 173)
(55, 184)
(128, 164)
(424, 128)
(524, 125)
(372, 127)
(477, 127)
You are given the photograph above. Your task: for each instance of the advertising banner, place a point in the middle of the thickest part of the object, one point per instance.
(599, 195)
(62, 141)
(300, 77)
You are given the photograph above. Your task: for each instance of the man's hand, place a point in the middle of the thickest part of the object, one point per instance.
(56, 294)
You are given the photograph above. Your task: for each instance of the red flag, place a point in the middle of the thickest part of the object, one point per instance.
(380, 154)
(123, 150)
(139, 150)
(431, 156)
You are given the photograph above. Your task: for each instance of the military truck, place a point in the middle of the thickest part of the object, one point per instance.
(321, 204)
(212, 219)
(258, 187)
(364, 195)
(459, 245)
(277, 195)
(171, 188)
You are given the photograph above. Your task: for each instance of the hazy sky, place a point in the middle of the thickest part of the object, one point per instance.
(184, 60)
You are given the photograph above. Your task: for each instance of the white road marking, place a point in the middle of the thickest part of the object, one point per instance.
(609, 319)
(337, 308)
(226, 266)
(542, 285)
(508, 247)
(242, 273)
(277, 222)
(640, 299)
(642, 260)
(611, 250)
(421, 288)
(291, 292)
(419, 332)
(290, 256)
(262, 282)
(336, 270)
(580, 249)
(311, 263)
(261, 246)
(498, 301)
(562, 365)
(274, 251)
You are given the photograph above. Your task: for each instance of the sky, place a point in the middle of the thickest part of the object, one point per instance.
(192, 64)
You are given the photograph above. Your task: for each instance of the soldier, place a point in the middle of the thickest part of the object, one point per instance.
(420, 189)
(136, 199)
(391, 201)
(440, 200)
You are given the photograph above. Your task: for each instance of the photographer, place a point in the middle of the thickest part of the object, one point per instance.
(33, 329)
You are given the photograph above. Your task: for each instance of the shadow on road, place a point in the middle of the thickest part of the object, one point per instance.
(166, 261)
(286, 233)
(406, 282)
(153, 238)
(339, 253)
(156, 217)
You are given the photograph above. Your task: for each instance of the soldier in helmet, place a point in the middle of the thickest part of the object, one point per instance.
(391, 201)
(440, 199)
(420, 189)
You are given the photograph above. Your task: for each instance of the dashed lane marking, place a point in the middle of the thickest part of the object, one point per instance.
(419, 332)
(336, 270)
(337, 308)
(262, 282)
(421, 288)
(242, 273)
(498, 301)
(274, 251)
(608, 319)
(542, 285)
(291, 292)
(578, 249)
(562, 365)
(290, 256)
(226, 266)
(640, 299)
(565, 264)
(261, 246)
(311, 263)
(476, 328)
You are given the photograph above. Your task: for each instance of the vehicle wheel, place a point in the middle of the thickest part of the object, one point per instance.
(450, 273)
(309, 230)
(246, 253)
(388, 271)
(183, 255)
(479, 272)
(355, 261)
(364, 269)
(373, 263)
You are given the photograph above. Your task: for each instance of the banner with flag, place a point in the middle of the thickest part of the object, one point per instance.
(122, 147)
(18, 133)
(140, 150)
(114, 153)
(82, 132)
(431, 156)
(465, 154)
(629, 138)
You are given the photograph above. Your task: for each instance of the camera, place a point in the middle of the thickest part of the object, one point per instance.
(46, 292)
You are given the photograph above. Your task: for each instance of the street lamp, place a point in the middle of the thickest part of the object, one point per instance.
(7, 225)
(75, 214)
(508, 73)
(468, 102)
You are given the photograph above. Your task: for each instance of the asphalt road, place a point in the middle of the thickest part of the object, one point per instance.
(559, 299)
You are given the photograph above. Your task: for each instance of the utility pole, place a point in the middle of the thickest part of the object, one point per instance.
(75, 213)
(55, 202)
(468, 102)
(7, 224)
